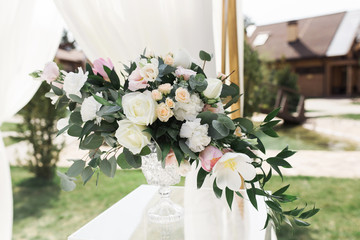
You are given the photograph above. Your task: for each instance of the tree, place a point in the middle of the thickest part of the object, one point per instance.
(39, 129)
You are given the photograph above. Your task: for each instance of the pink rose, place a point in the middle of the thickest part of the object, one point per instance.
(186, 73)
(170, 158)
(209, 157)
(136, 81)
(50, 73)
(99, 67)
(219, 109)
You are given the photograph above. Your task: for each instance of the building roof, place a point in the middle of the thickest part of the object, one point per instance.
(328, 35)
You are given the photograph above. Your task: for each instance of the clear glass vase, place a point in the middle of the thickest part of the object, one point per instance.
(165, 211)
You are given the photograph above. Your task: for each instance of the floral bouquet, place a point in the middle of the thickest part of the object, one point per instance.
(168, 101)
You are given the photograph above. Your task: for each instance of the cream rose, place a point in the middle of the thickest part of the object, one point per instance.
(89, 108)
(214, 88)
(132, 136)
(168, 59)
(170, 103)
(139, 107)
(163, 112)
(156, 95)
(182, 95)
(165, 88)
(150, 71)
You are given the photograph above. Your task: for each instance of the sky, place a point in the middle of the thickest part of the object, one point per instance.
(263, 12)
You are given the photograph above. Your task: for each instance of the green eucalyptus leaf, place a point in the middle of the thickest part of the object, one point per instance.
(74, 130)
(102, 100)
(184, 147)
(92, 141)
(113, 164)
(220, 128)
(75, 98)
(204, 56)
(131, 159)
(75, 118)
(66, 183)
(105, 167)
(76, 168)
(63, 130)
(245, 124)
(145, 151)
(57, 90)
(86, 174)
(121, 161)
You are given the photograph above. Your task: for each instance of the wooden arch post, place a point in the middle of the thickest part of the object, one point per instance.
(232, 47)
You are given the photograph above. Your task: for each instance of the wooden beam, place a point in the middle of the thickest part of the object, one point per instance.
(349, 79)
(223, 36)
(233, 51)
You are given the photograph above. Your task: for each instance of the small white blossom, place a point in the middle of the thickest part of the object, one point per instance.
(196, 134)
(73, 82)
(89, 109)
(188, 111)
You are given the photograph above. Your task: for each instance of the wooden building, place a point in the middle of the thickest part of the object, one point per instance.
(324, 51)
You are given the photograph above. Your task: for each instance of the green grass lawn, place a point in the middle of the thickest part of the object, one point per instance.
(349, 116)
(299, 138)
(43, 211)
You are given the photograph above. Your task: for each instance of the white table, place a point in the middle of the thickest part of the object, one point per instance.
(126, 219)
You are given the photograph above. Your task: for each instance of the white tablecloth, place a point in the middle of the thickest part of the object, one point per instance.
(126, 219)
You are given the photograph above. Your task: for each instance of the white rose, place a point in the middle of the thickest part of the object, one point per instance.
(89, 109)
(132, 136)
(196, 134)
(139, 107)
(188, 111)
(73, 82)
(214, 88)
(150, 71)
(182, 58)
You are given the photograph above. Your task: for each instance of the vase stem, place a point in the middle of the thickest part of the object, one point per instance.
(164, 192)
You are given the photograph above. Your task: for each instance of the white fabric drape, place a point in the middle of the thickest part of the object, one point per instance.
(121, 29)
(31, 31)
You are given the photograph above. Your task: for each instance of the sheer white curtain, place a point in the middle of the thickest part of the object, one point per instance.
(121, 29)
(31, 31)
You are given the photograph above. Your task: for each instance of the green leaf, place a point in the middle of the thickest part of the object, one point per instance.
(111, 141)
(186, 149)
(271, 124)
(113, 164)
(57, 90)
(220, 128)
(268, 217)
(131, 159)
(75, 118)
(278, 162)
(87, 128)
(245, 124)
(281, 190)
(229, 196)
(217, 190)
(102, 100)
(86, 174)
(121, 161)
(66, 183)
(301, 223)
(232, 101)
(75, 98)
(228, 90)
(226, 121)
(63, 130)
(252, 197)
(201, 177)
(94, 162)
(95, 80)
(285, 153)
(89, 69)
(165, 149)
(145, 151)
(271, 115)
(74, 131)
(92, 141)
(309, 213)
(76, 168)
(270, 132)
(105, 167)
(204, 56)
(178, 153)
(114, 79)
(198, 82)
(274, 205)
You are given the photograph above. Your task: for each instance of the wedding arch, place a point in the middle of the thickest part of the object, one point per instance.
(117, 29)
